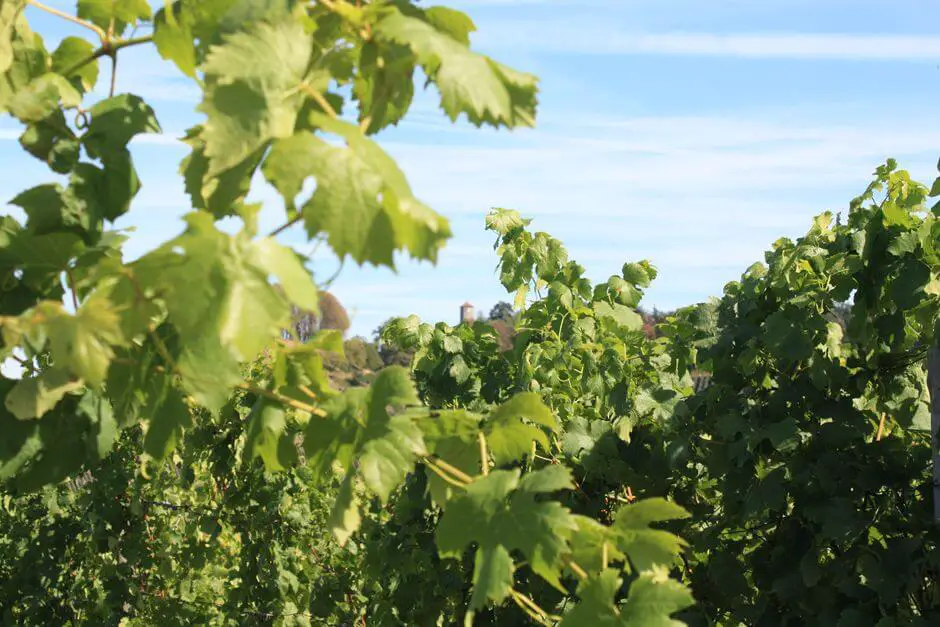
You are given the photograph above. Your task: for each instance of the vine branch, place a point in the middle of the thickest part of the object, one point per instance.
(108, 49)
(71, 18)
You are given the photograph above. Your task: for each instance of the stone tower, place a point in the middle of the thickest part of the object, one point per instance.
(466, 313)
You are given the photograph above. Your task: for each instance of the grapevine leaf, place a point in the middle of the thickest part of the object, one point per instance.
(344, 519)
(640, 274)
(32, 397)
(81, 343)
(253, 91)
(219, 300)
(598, 605)
(38, 452)
(630, 536)
(509, 436)
(507, 517)
(42, 97)
(283, 263)
(52, 141)
(455, 23)
(643, 545)
(122, 12)
(115, 121)
(266, 436)
(652, 598)
(219, 195)
(167, 416)
(10, 11)
(384, 85)
(470, 83)
(173, 38)
(69, 53)
(621, 314)
(362, 201)
(363, 438)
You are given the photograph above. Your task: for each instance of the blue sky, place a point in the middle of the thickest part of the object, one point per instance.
(689, 133)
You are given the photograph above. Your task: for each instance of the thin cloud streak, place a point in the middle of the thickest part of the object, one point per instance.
(598, 38)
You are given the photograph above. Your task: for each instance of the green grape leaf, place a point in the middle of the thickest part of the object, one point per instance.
(218, 298)
(50, 208)
(167, 417)
(640, 274)
(360, 435)
(598, 602)
(509, 437)
(253, 91)
(10, 11)
(452, 436)
(384, 84)
(284, 263)
(470, 83)
(42, 97)
(455, 23)
(643, 545)
(362, 201)
(68, 54)
(52, 141)
(652, 598)
(621, 314)
(220, 195)
(35, 453)
(32, 397)
(266, 437)
(82, 343)
(630, 536)
(115, 121)
(122, 12)
(173, 38)
(506, 516)
(344, 518)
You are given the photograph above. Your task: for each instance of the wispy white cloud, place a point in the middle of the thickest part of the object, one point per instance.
(599, 37)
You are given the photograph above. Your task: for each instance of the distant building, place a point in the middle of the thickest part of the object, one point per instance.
(466, 314)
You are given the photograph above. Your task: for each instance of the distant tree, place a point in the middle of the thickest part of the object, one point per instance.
(502, 311)
(362, 354)
(332, 315)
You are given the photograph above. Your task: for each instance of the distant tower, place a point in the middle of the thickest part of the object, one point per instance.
(466, 313)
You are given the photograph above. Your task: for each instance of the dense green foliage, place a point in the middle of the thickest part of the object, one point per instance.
(168, 457)
(222, 496)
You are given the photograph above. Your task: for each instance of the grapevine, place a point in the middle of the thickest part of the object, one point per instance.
(220, 451)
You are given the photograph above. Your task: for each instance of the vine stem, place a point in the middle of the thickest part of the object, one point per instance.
(461, 475)
(443, 475)
(576, 568)
(881, 429)
(71, 18)
(484, 455)
(114, 61)
(108, 49)
(280, 398)
(285, 226)
(530, 607)
(319, 99)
